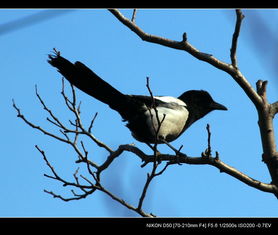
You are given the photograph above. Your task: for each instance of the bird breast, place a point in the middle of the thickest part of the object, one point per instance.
(169, 120)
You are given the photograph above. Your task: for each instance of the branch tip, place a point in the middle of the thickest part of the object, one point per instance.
(239, 18)
(133, 15)
(261, 89)
(184, 37)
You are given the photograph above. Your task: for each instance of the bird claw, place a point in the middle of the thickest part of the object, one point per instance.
(178, 159)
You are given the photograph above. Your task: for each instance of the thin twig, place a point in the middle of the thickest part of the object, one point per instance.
(124, 203)
(72, 107)
(239, 18)
(56, 120)
(159, 122)
(20, 115)
(153, 173)
(92, 122)
(56, 176)
(133, 15)
(208, 150)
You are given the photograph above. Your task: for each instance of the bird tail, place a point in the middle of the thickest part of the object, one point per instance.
(86, 80)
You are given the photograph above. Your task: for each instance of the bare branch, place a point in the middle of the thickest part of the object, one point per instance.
(261, 90)
(186, 46)
(76, 110)
(274, 109)
(213, 161)
(183, 158)
(118, 152)
(133, 15)
(92, 123)
(223, 167)
(208, 150)
(121, 201)
(145, 188)
(76, 197)
(79, 130)
(98, 142)
(163, 169)
(56, 120)
(56, 176)
(153, 173)
(239, 19)
(20, 115)
(159, 122)
(92, 187)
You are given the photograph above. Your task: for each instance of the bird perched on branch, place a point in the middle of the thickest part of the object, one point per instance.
(151, 119)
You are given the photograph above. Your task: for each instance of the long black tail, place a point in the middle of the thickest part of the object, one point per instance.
(86, 80)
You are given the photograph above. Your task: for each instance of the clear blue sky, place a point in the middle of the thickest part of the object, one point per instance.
(96, 38)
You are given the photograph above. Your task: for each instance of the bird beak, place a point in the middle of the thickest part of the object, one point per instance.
(217, 106)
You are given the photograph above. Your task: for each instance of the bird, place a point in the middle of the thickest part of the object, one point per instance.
(151, 119)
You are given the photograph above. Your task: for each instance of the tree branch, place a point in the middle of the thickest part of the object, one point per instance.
(266, 114)
(133, 15)
(20, 115)
(159, 122)
(56, 176)
(137, 210)
(207, 159)
(208, 150)
(203, 160)
(274, 109)
(78, 131)
(186, 46)
(240, 17)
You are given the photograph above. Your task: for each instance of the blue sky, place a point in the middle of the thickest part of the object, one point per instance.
(96, 38)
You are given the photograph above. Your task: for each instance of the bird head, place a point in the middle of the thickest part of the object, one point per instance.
(200, 102)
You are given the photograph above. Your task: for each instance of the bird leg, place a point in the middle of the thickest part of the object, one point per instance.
(177, 152)
(155, 151)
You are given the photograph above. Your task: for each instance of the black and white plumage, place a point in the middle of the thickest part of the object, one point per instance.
(175, 114)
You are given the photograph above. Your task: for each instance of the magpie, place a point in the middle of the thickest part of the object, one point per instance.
(151, 119)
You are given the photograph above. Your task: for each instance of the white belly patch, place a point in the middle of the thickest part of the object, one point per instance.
(172, 124)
